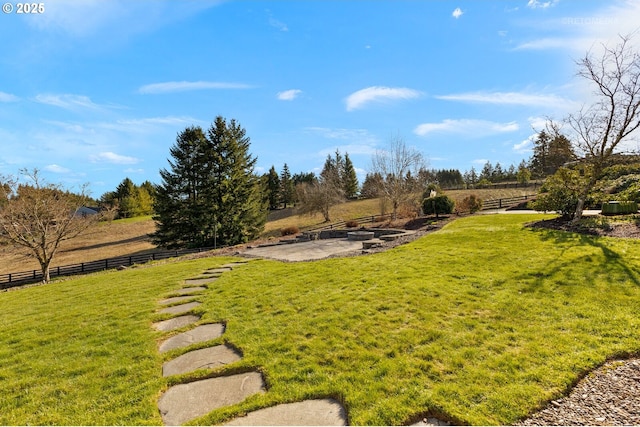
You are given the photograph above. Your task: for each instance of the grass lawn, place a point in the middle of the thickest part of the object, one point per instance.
(483, 322)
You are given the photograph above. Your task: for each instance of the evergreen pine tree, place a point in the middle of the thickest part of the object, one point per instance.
(273, 188)
(287, 190)
(349, 178)
(180, 199)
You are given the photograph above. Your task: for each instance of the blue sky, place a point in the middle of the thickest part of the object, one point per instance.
(94, 91)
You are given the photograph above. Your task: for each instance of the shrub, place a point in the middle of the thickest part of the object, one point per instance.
(438, 205)
(559, 193)
(471, 203)
(619, 208)
(289, 231)
(351, 224)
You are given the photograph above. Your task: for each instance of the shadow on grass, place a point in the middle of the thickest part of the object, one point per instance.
(565, 240)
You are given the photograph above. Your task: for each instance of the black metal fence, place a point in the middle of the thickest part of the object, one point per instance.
(17, 279)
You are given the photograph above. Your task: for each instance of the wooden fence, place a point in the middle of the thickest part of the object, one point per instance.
(17, 279)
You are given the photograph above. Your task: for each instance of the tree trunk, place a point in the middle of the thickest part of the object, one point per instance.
(44, 266)
(577, 216)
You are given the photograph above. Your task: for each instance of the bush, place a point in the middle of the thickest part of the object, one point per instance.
(619, 208)
(559, 193)
(438, 205)
(289, 231)
(471, 203)
(351, 224)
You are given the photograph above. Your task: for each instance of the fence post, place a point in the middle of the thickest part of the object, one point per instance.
(9, 277)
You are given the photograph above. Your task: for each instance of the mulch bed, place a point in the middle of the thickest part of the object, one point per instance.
(611, 229)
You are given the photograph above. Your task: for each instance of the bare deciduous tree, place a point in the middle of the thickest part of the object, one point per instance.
(399, 168)
(601, 128)
(318, 197)
(38, 216)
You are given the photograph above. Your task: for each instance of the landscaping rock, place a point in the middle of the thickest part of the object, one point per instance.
(607, 396)
(205, 358)
(198, 334)
(322, 412)
(176, 323)
(185, 402)
(190, 290)
(178, 309)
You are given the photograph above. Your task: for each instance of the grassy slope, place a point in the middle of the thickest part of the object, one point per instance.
(483, 321)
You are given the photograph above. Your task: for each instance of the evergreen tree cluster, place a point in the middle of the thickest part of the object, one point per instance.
(338, 171)
(129, 200)
(210, 195)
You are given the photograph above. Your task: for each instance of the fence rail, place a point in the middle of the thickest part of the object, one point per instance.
(505, 202)
(17, 279)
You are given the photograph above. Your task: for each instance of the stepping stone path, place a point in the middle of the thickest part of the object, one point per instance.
(198, 334)
(176, 323)
(185, 291)
(323, 412)
(176, 299)
(200, 281)
(210, 357)
(179, 309)
(185, 402)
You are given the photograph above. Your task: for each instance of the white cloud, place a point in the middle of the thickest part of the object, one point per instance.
(457, 13)
(525, 146)
(114, 17)
(110, 157)
(279, 25)
(289, 95)
(167, 87)
(56, 169)
(580, 33)
(359, 135)
(7, 97)
(507, 98)
(466, 127)
(536, 4)
(378, 93)
(67, 101)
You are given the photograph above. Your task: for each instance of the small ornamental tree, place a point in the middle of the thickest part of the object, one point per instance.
(38, 216)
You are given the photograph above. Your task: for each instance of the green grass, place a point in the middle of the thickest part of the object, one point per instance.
(482, 322)
(82, 351)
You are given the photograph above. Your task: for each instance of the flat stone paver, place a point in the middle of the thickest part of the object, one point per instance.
(218, 270)
(198, 334)
(204, 358)
(179, 309)
(176, 322)
(190, 290)
(175, 300)
(201, 280)
(185, 402)
(322, 412)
